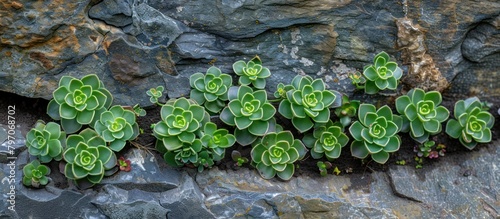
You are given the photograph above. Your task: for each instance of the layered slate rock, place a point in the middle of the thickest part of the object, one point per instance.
(135, 46)
(146, 174)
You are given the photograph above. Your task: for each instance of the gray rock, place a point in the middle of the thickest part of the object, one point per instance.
(146, 174)
(482, 41)
(186, 201)
(467, 189)
(114, 12)
(123, 204)
(13, 144)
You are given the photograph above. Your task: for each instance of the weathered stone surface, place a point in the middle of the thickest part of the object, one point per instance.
(186, 201)
(146, 174)
(123, 204)
(468, 189)
(137, 45)
(113, 12)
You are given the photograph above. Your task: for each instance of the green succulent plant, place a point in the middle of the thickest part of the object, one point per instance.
(347, 110)
(117, 126)
(383, 74)
(216, 140)
(46, 141)
(181, 122)
(276, 154)
(35, 174)
(308, 103)
(186, 154)
(250, 112)
(281, 90)
(421, 113)
(252, 72)
(472, 124)
(88, 159)
(155, 94)
(210, 89)
(205, 160)
(79, 102)
(376, 133)
(326, 140)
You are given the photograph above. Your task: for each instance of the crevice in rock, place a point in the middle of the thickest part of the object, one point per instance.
(398, 194)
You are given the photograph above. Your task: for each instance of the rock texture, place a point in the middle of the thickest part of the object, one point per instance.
(135, 44)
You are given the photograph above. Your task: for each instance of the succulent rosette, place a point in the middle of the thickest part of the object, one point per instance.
(210, 89)
(250, 112)
(252, 72)
(216, 140)
(87, 157)
(35, 174)
(117, 126)
(187, 153)
(155, 94)
(46, 141)
(376, 133)
(181, 120)
(276, 154)
(327, 140)
(383, 74)
(308, 103)
(422, 112)
(472, 124)
(79, 102)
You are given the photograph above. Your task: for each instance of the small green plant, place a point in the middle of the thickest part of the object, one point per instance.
(236, 156)
(357, 80)
(210, 89)
(187, 153)
(323, 167)
(421, 113)
(155, 94)
(375, 133)
(181, 119)
(88, 159)
(281, 90)
(216, 140)
(252, 72)
(117, 126)
(327, 140)
(347, 110)
(429, 149)
(308, 103)
(79, 102)
(46, 141)
(250, 112)
(276, 153)
(401, 162)
(383, 74)
(472, 123)
(138, 110)
(35, 174)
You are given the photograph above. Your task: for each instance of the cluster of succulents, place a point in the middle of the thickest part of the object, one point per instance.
(186, 136)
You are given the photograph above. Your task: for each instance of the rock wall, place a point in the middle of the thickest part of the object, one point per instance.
(137, 44)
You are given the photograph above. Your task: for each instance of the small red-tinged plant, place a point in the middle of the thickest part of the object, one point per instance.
(124, 164)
